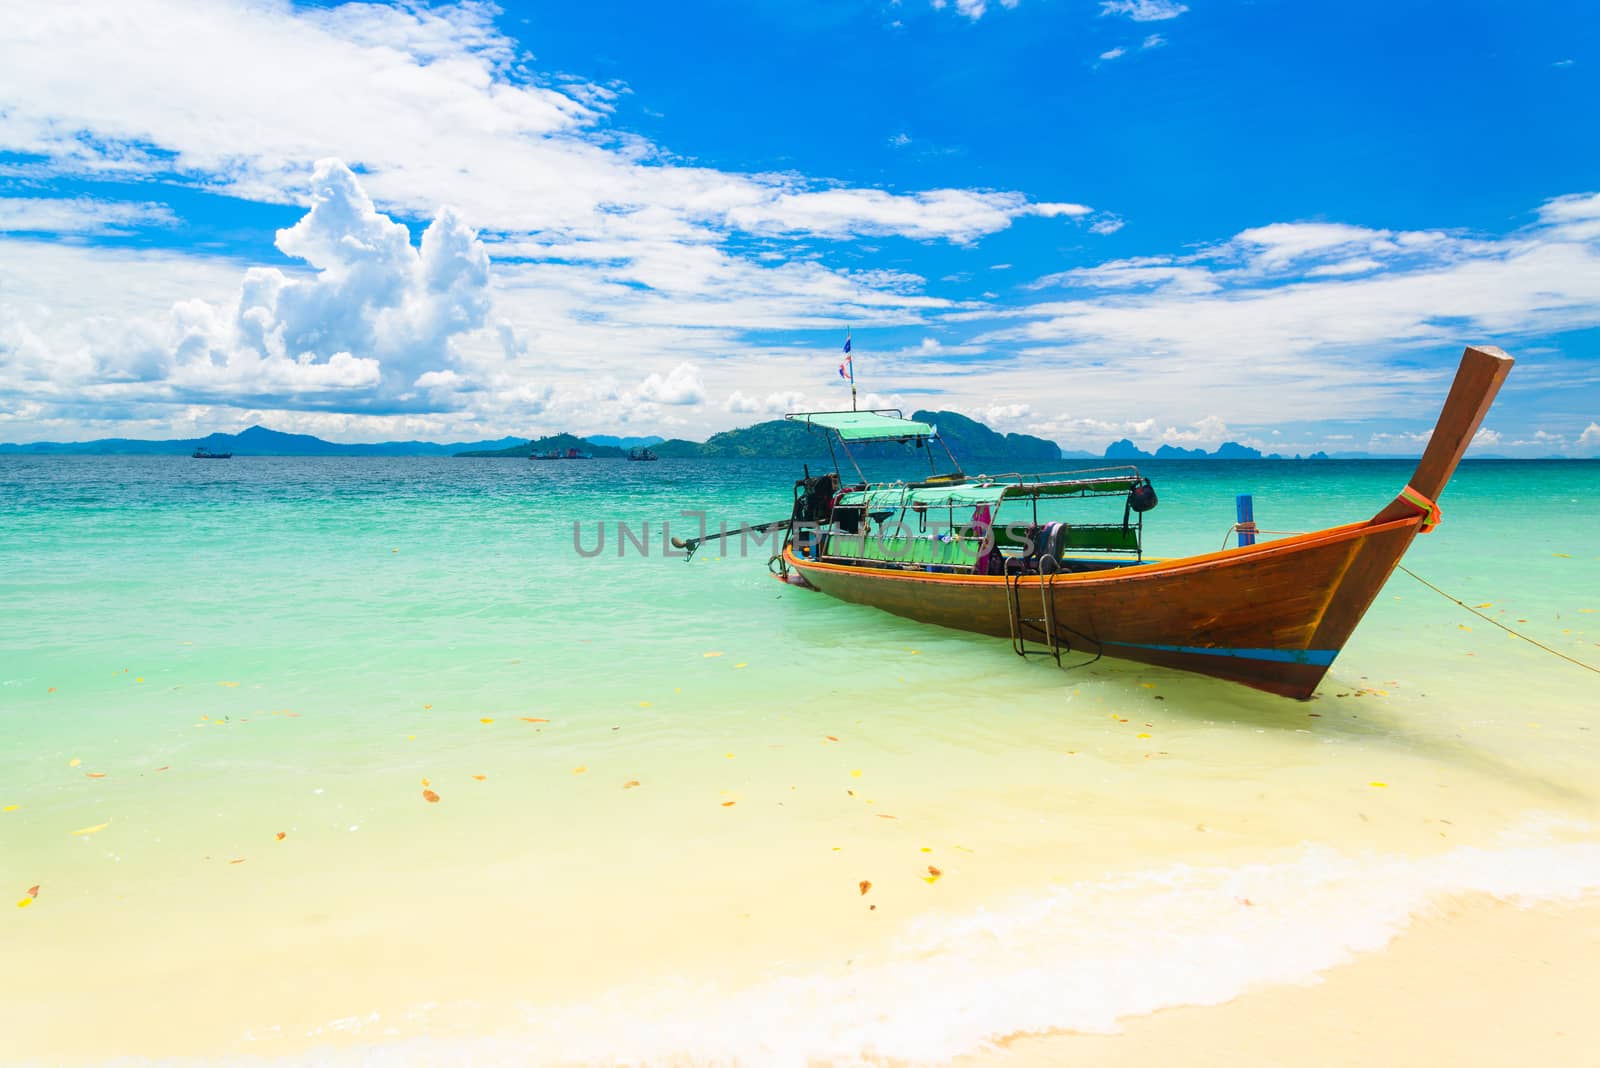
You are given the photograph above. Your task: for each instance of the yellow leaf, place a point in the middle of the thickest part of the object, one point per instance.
(282, 835)
(1486, 604)
(1142, 734)
(737, 666)
(74, 762)
(230, 685)
(480, 778)
(25, 902)
(430, 797)
(10, 808)
(425, 782)
(1380, 785)
(711, 654)
(729, 804)
(856, 774)
(580, 769)
(91, 830)
(486, 719)
(139, 679)
(644, 704)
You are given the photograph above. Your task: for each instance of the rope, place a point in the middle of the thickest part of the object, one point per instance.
(1411, 495)
(1252, 528)
(1496, 622)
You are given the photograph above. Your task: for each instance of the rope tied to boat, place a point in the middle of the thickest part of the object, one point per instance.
(1490, 619)
(1434, 515)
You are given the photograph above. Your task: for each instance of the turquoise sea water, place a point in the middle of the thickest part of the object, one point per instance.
(660, 786)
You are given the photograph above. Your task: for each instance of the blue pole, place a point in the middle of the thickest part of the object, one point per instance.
(1247, 518)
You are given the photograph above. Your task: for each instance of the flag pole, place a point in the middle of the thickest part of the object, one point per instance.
(852, 365)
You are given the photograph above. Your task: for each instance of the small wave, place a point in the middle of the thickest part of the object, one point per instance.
(1077, 957)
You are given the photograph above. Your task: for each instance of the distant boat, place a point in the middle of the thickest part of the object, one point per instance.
(642, 454)
(559, 454)
(203, 453)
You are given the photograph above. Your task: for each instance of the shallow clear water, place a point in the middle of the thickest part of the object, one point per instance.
(660, 785)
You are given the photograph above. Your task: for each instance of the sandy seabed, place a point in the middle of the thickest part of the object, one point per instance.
(1473, 982)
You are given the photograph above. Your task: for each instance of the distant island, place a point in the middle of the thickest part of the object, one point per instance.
(971, 441)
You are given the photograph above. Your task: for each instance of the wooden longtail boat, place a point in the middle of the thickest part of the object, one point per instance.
(1271, 615)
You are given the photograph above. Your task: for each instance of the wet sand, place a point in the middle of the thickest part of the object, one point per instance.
(1474, 982)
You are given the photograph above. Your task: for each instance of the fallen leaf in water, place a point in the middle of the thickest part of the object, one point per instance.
(480, 778)
(580, 769)
(927, 849)
(729, 804)
(1142, 734)
(94, 774)
(430, 797)
(630, 784)
(51, 690)
(139, 679)
(33, 891)
(230, 685)
(10, 808)
(426, 708)
(281, 835)
(886, 816)
(1378, 784)
(92, 830)
(425, 782)
(1485, 604)
(864, 886)
(486, 719)
(644, 704)
(74, 762)
(532, 719)
(933, 875)
(736, 667)
(1564, 556)
(711, 654)
(236, 860)
(855, 774)
(164, 767)
(830, 738)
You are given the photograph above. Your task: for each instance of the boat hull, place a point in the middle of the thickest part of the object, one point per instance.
(1271, 616)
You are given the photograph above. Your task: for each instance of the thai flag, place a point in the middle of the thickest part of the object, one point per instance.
(847, 342)
(845, 370)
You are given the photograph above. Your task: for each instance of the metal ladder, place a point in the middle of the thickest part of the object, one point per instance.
(1045, 624)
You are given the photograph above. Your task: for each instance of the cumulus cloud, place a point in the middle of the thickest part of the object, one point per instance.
(370, 323)
(1113, 53)
(681, 385)
(1590, 438)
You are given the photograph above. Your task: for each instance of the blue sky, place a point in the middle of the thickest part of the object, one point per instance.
(1270, 222)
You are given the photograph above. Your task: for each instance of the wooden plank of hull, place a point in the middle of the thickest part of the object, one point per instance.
(1271, 615)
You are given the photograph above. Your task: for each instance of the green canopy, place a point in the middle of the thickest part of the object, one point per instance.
(973, 494)
(865, 426)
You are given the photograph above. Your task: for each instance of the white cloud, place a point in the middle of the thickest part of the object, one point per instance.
(78, 215)
(1155, 40)
(1106, 224)
(1590, 438)
(680, 386)
(1344, 267)
(431, 104)
(1143, 10)
(367, 324)
(1113, 53)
